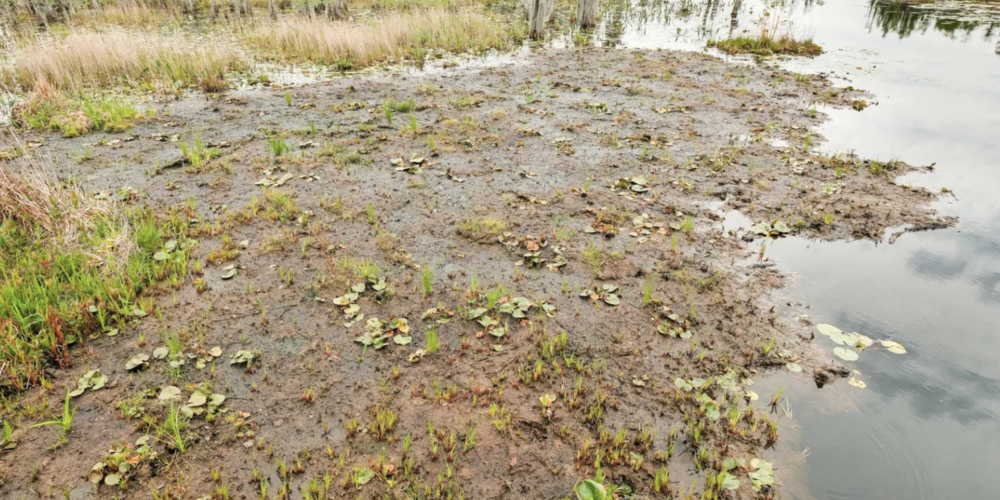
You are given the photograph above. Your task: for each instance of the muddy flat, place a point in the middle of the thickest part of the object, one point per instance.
(473, 282)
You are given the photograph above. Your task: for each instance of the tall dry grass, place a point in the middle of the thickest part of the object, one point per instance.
(391, 37)
(83, 59)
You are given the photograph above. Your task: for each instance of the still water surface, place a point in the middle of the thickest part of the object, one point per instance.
(926, 426)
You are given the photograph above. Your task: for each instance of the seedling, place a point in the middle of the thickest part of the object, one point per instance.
(66, 422)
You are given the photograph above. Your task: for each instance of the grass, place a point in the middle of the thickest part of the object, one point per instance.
(771, 41)
(47, 109)
(392, 37)
(66, 421)
(432, 339)
(70, 266)
(82, 60)
(482, 225)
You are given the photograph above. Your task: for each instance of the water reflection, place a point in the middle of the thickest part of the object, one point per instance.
(954, 19)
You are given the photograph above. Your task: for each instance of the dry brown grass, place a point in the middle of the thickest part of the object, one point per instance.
(392, 37)
(34, 199)
(84, 59)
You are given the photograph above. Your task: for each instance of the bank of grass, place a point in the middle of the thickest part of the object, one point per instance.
(71, 266)
(47, 109)
(775, 38)
(393, 37)
(100, 60)
(767, 47)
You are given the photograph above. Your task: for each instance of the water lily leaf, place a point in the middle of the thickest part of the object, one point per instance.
(417, 355)
(794, 367)
(753, 396)
(198, 398)
(160, 353)
(683, 384)
(242, 357)
(827, 330)
(215, 351)
(862, 341)
(729, 482)
(401, 340)
(96, 473)
(77, 392)
(590, 490)
(781, 227)
(112, 479)
(498, 332)
(229, 274)
(139, 313)
(860, 384)
(112, 332)
(169, 392)
(170, 245)
(136, 362)
(845, 354)
(365, 476)
(612, 299)
(216, 400)
(893, 347)
(840, 338)
(359, 288)
(477, 312)
(550, 310)
(160, 256)
(609, 288)
(401, 324)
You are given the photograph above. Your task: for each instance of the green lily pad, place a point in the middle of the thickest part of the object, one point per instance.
(845, 354)
(828, 330)
(893, 346)
(160, 256)
(401, 340)
(137, 361)
(612, 299)
(160, 353)
(168, 393)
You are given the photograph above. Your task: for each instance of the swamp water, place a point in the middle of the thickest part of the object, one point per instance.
(926, 426)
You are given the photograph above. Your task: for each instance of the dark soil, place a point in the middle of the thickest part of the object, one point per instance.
(537, 145)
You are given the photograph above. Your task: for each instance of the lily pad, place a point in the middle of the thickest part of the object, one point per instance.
(168, 393)
(137, 361)
(229, 274)
(401, 340)
(242, 356)
(612, 299)
(794, 367)
(893, 347)
(160, 353)
(417, 355)
(845, 354)
(160, 256)
(860, 384)
(828, 330)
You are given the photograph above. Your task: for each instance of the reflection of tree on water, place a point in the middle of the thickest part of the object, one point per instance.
(952, 19)
(697, 19)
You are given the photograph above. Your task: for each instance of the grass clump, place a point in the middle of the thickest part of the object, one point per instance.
(99, 60)
(70, 266)
(395, 36)
(771, 41)
(48, 109)
(482, 225)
